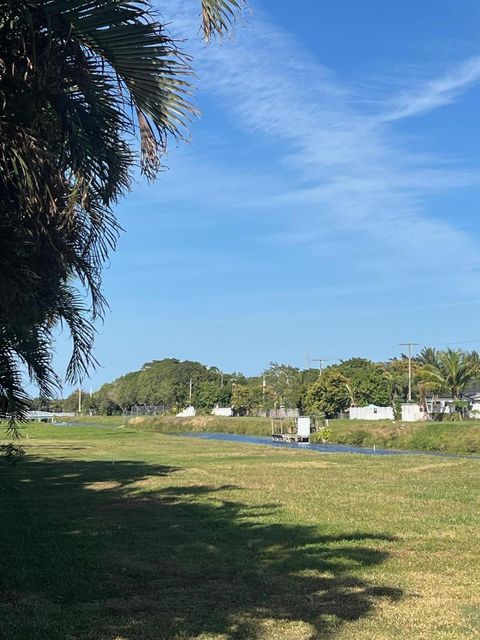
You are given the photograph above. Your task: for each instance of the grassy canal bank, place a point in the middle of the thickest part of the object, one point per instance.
(448, 437)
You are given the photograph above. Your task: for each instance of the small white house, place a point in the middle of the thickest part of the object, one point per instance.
(439, 404)
(475, 410)
(474, 397)
(371, 412)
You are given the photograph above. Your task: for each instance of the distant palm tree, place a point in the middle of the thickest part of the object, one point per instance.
(428, 355)
(474, 358)
(453, 373)
(79, 81)
(397, 378)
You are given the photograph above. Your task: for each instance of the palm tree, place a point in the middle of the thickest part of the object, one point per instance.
(428, 355)
(453, 373)
(397, 377)
(80, 80)
(474, 358)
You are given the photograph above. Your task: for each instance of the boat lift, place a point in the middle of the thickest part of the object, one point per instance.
(291, 429)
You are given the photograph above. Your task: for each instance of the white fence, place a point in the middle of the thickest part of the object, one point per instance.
(189, 412)
(372, 412)
(413, 413)
(226, 412)
(47, 416)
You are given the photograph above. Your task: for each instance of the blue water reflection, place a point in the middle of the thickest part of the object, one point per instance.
(322, 448)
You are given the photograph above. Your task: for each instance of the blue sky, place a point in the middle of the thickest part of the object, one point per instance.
(327, 201)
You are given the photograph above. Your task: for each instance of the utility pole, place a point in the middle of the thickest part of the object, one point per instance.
(80, 400)
(409, 345)
(190, 391)
(320, 362)
(307, 360)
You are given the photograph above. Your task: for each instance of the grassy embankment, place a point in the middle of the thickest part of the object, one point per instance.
(449, 437)
(452, 437)
(172, 424)
(117, 533)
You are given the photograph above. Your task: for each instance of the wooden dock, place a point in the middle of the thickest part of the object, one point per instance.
(284, 430)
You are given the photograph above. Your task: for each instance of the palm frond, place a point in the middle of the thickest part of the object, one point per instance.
(453, 372)
(78, 80)
(13, 397)
(126, 42)
(218, 16)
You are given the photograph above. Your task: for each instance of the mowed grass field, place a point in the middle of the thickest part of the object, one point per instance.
(450, 437)
(117, 534)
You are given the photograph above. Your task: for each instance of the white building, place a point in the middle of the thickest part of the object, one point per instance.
(439, 404)
(474, 397)
(444, 405)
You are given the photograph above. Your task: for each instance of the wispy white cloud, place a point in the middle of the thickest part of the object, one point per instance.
(342, 169)
(437, 92)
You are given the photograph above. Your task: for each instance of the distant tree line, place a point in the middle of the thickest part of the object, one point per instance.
(167, 384)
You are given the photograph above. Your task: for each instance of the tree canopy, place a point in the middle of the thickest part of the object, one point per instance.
(80, 82)
(165, 385)
(329, 395)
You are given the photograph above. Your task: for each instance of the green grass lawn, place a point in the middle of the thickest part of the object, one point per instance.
(117, 534)
(452, 437)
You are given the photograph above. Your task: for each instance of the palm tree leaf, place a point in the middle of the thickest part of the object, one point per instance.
(125, 40)
(79, 78)
(218, 16)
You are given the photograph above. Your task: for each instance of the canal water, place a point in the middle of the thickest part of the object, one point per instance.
(299, 446)
(316, 446)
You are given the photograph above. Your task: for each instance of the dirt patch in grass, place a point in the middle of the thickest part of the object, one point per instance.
(428, 467)
(104, 485)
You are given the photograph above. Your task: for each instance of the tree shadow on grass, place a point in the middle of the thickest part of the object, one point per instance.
(95, 550)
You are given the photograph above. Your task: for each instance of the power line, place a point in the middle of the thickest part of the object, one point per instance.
(307, 360)
(320, 362)
(455, 343)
